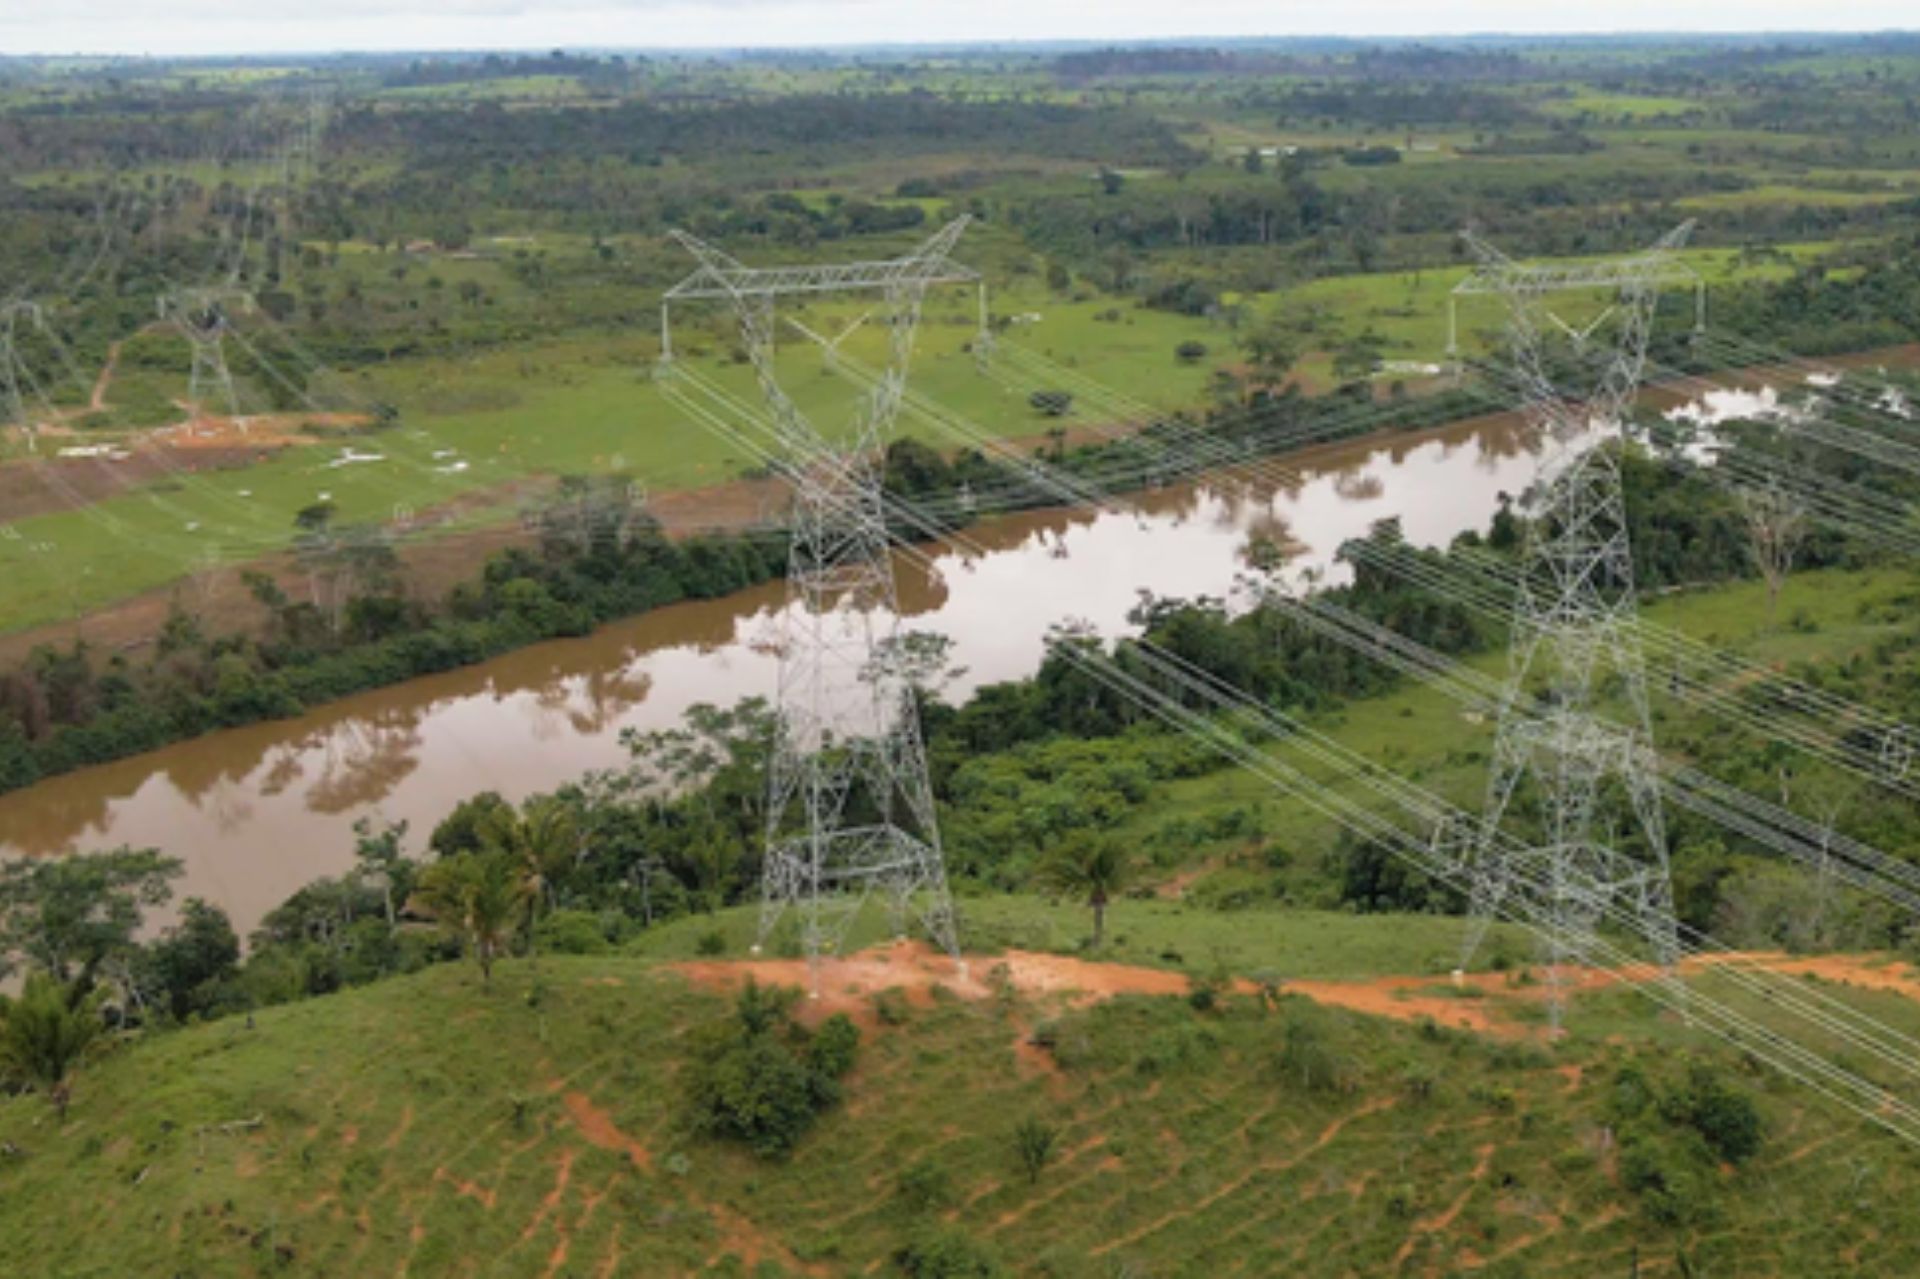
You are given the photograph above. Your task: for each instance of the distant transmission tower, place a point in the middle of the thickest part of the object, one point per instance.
(203, 316)
(16, 315)
(1573, 638)
(850, 807)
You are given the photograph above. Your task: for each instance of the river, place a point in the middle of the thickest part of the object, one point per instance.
(256, 812)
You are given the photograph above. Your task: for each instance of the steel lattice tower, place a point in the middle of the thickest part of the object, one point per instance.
(203, 316)
(1573, 641)
(15, 315)
(849, 808)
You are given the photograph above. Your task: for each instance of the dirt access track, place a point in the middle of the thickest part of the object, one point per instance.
(1486, 1003)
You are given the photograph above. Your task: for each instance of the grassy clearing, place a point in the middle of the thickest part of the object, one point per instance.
(474, 429)
(588, 405)
(1787, 196)
(1602, 105)
(1170, 935)
(1409, 308)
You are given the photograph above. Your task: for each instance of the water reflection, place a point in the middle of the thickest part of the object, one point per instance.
(256, 812)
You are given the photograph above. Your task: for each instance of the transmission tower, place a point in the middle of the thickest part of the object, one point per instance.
(15, 315)
(1573, 639)
(849, 806)
(203, 315)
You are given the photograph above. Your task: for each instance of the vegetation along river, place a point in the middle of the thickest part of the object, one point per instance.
(257, 812)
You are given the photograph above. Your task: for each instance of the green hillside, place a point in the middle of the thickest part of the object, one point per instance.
(428, 1126)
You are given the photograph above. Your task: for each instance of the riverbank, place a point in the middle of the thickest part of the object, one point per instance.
(259, 811)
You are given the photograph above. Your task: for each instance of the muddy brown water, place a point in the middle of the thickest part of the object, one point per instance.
(256, 812)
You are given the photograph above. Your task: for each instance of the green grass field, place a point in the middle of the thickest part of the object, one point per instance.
(472, 429)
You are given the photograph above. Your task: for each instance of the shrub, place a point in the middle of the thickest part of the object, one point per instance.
(1173, 1048)
(833, 1047)
(1671, 1193)
(1631, 1095)
(946, 1255)
(570, 932)
(890, 1007)
(711, 943)
(1052, 403)
(1727, 1120)
(1307, 1058)
(924, 1186)
(1033, 1143)
(758, 1078)
(753, 1089)
(1190, 352)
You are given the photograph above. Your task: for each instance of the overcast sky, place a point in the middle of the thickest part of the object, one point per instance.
(254, 26)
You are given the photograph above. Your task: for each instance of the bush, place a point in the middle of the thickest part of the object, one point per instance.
(753, 1089)
(1727, 1120)
(711, 943)
(833, 1047)
(890, 1007)
(947, 1255)
(1306, 1057)
(1052, 403)
(1174, 1048)
(571, 932)
(1190, 352)
(758, 1078)
(1671, 1192)
(1033, 1143)
(924, 1186)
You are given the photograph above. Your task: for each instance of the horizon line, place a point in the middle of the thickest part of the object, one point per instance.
(985, 43)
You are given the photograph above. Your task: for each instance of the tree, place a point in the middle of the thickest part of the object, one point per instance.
(1272, 349)
(1088, 866)
(1052, 403)
(543, 840)
(922, 661)
(69, 915)
(378, 854)
(1776, 525)
(586, 513)
(46, 1033)
(1358, 357)
(190, 961)
(480, 897)
(1033, 1142)
(460, 830)
(339, 561)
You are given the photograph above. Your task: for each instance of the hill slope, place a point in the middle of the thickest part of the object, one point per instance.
(426, 1126)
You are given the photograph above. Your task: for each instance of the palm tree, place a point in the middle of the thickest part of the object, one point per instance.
(45, 1033)
(542, 840)
(1094, 868)
(480, 896)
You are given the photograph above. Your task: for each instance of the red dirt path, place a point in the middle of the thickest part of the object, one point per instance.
(1481, 1002)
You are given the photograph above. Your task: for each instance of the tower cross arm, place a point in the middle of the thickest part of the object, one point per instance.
(721, 276)
(1654, 266)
